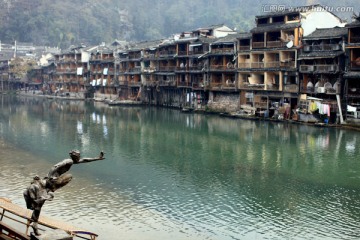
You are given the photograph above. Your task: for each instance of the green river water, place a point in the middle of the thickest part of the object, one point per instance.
(173, 175)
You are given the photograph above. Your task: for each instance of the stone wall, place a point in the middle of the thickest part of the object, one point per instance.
(224, 102)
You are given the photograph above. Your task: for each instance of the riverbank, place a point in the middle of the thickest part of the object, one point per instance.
(353, 124)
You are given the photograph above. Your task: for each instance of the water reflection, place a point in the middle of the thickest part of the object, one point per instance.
(174, 175)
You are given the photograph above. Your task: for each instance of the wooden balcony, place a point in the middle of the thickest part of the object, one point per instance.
(288, 64)
(222, 50)
(123, 83)
(355, 65)
(293, 88)
(135, 69)
(273, 87)
(258, 44)
(244, 65)
(275, 44)
(149, 55)
(167, 68)
(196, 68)
(107, 59)
(149, 69)
(184, 84)
(306, 68)
(165, 53)
(134, 56)
(182, 53)
(166, 83)
(197, 85)
(256, 86)
(354, 40)
(326, 68)
(244, 48)
(228, 67)
(196, 52)
(275, 64)
(134, 84)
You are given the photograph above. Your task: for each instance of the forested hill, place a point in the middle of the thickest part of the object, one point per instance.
(65, 22)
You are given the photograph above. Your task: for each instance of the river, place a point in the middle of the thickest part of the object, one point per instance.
(173, 175)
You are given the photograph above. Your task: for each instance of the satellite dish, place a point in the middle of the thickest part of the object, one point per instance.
(290, 44)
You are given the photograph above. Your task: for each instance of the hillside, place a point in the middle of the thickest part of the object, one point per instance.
(61, 23)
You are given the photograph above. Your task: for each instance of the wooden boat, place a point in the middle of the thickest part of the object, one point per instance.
(123, 102)
(15, 214)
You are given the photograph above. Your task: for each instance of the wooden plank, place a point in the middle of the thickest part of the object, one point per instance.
(12, 232)
(7, 205)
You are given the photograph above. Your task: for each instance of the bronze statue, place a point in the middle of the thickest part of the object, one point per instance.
(41, 190)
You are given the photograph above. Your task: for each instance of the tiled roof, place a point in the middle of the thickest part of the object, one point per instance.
(353, 24)
(275, 27)
(228, 38)
(326, 33)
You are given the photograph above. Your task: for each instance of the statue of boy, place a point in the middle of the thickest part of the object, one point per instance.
(40, 191)
(35, 196)
(58, 176)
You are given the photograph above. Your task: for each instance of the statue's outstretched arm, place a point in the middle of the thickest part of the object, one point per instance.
(84, 160)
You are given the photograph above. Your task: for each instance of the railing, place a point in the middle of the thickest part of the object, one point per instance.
(216, 85)
(135, 69)
(258, 44)
(196, 68)
(244, 48)
(257, 65)
(123, 82)
(134, 84)
(329, 91)
(272, 87)
(135, 56)
(198, 85)
(222, 67)
(182, 53)
(222, 50)
(322, 68)
(355, 65)
(244, 65)
(184, 84)
(288, 64)
(322, 47)
(273, 44)
(257, 86)
(194, 52)
(149, 55)
(354, 40)
(167, 68)
(306, 68)
(167, 53)
(149, 69)
(291, 88)
(167, 83)
(326, 68)
(107, 59)
(353, 91)
(272, 64)
(66, 70)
